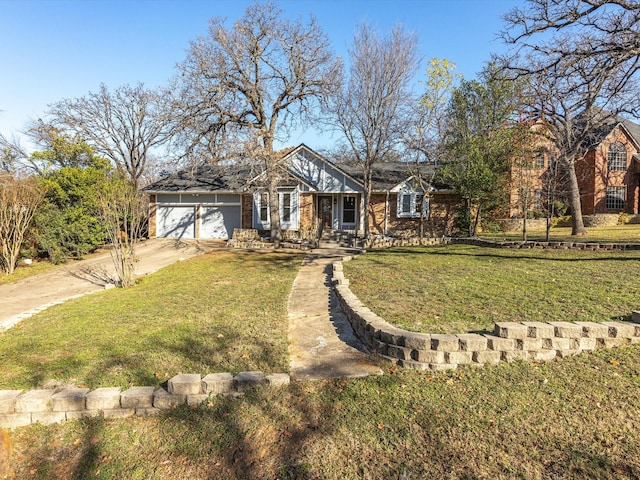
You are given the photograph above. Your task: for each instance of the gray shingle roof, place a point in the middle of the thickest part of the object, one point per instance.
(238, 177)
(205, 178)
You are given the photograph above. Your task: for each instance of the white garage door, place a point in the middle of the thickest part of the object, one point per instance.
(176, 222)
(219, 222)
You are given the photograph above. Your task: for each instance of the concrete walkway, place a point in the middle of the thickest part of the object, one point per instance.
(27, 297)
(321, 341)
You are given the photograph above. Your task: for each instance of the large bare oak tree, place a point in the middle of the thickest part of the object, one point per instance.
(580, 58)
(254, 81)
(123, 125)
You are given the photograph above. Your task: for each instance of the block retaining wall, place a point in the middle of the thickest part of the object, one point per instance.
(387, 242)
(18, 408)
(593, 246)
(528, 341)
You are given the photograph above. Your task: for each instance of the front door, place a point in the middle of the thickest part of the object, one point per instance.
(325, 213)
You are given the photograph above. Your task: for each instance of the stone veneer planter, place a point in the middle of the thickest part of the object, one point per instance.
(18, 408)
(529, 341)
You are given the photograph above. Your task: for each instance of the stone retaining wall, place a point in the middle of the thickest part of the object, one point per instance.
(529, 341)
(18, 408)
(594, 246)
(388, 242)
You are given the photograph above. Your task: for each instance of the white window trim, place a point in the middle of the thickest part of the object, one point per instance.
(355, 211)
(292, 224)
(414, 212)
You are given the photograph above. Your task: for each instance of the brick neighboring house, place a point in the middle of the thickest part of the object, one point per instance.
(608, 175)
(315, 195)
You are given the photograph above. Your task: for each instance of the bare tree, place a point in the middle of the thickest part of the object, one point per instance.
(20, 198)
(573, 100)
(255, 81)
(122, 212)
(373, 107)
(576, 29)
(13, 156)
(581, 59)
(124, 125)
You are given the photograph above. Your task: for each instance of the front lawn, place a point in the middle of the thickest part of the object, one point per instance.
(629, 233)
(572, 419)
(459, 288)
(220, 312)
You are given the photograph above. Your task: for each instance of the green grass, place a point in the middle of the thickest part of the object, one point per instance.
(455, 289)
(573, 419)
(221, 312)
(619, 233)
(22, 272)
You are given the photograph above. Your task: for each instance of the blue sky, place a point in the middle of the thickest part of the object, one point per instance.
(56, 49)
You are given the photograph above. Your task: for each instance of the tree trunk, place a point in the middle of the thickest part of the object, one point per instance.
(271, 172)
(476, 221)
(470, 215)
(577, 225)
(367, 201)
(274, 212)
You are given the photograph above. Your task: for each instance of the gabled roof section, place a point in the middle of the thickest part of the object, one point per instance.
(631, 129)
(205, 178)
(387, 176)
(323, 175)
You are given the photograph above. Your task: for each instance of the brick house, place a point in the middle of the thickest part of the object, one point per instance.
(315, 195)
(608, 174)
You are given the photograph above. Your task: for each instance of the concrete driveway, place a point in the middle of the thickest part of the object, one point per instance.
(27, 297)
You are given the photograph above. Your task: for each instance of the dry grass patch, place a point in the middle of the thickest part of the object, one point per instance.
(224, 311)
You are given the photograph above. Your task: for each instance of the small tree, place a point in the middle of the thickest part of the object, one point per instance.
(123, 214)
(19, 201)
(480, 142)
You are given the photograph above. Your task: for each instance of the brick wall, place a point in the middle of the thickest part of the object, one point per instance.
(247, 210)
(440, 222)
(307, 211)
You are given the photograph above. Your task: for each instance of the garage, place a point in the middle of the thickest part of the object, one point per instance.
(176, 221)
(219, 221)
(201, 203)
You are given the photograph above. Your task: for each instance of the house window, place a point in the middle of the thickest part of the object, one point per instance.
(537, 200)
(617, 157)
(286, 207)
(615, 198)
(264, 207)
(348, 209)
(409, 205)
(539, 161)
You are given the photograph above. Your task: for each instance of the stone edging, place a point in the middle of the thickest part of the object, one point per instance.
(594, 246)
(18, 408)
(388, 242)
(529, 341)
